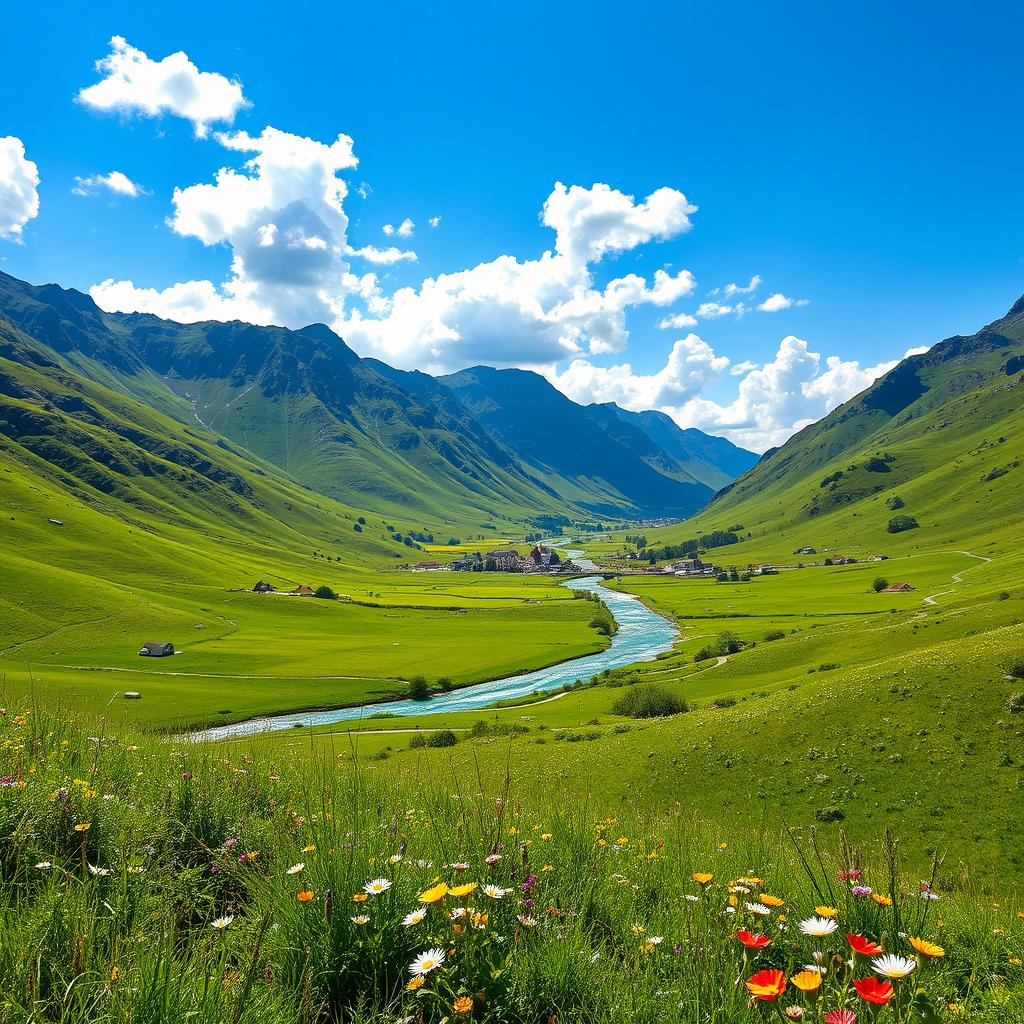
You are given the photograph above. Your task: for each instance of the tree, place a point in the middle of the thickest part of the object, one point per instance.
(899, 524)
(325, 593)
(648, 701)
(880, 584)
(442, 738)
(419, 688)
(729, 643)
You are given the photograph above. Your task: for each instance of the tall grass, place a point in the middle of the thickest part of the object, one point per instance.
(144, 880)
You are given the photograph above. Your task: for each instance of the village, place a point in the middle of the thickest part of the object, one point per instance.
(541, 559)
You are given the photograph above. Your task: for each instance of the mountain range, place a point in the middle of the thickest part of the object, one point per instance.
(476, 446)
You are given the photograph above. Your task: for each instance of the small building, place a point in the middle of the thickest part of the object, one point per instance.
(426, 566)
(503, 560)
(806, 551)
(156, 649)
(899, 588)
(301, 591)
(132, 695)
(468, 563)
(263, 587)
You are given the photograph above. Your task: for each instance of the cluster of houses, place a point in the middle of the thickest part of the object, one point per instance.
(263, 587)
(540, 559)
(692, 568)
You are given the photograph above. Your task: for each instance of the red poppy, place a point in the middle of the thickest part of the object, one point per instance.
(871, 990)
(863, 946)
(752, 941)
(767, 985)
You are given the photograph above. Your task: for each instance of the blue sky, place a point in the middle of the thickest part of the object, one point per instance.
(863, 162)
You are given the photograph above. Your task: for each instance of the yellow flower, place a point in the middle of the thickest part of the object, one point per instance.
(770, 901)
(84, 826)
(622, 841)
(807, 981)
(548, 867)
(360, 897)
(926, 948)
(826, 911)
(457, 890)
(702, 877)
(881, 899)
(309, 849)
(638, 929)
(546, 836)
(462, 1005)
(435, 893)
(115, 973)
(415, 983)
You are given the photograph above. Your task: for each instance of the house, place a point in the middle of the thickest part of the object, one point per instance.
(156, 649)
(806, 551)
(301, 591)
(543, 557)
(843, 560)
(263, 587)
(899, 588)
(426, 566)
(504, 560)
(468, 563)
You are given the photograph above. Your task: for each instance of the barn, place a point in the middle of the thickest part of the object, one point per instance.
(156, 649)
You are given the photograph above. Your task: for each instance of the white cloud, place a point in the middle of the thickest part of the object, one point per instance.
(714, 310)
(283, 219)
(741, 369)
(677, 322)
(434, 221)
(116, 182)
(734, 289)
(132, 83)
(19, 188)
(534, 312)
(392, 254)
(778, 302)
(404, 230)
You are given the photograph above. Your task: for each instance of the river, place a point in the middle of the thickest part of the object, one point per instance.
(642, 635)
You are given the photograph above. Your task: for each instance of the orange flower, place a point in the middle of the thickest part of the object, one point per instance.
(462, 1005)
(862, 946)
(305, 896)
(752, 941)
(767, 985)
(881, 899)
(808, 982)
(84, 826)
(416, 983)
(770, 901)
(702, 877)
(926, 948)
(360, 897)
(871, 990)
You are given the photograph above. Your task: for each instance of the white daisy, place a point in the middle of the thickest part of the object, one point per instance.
(815, 968)
(360, 919)
(136, 869)
(656, 940)
(44, 865)
(377, 886)
(458, 913)
(414, 917)
(93, 870)
(220, 923)
(494, 891)
(819, 927)
(690, 898)
(892, 965)
(395, 858)
(427, 961)
(295, 869)
(758, 909)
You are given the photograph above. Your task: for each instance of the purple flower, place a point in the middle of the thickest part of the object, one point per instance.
(860, 891)
(229, 843)
(529, 884)
(8, 781)
(529, 904)
(187, 776)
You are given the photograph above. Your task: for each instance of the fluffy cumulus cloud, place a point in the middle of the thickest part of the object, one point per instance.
(116, 182)
(132, 83)
(19, 188)
(778, 302)
(772, 401)
(404, 230)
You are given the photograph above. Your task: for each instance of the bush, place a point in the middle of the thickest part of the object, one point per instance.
(729, 643)
(900, 524)
(325, 593)
(442, 738)
(649, 701)
(445, 683)
(775, 634)
(419, 688)
(705, 654)
(895, 503)
(1015, 703)
(880, 584)
(724, 702)
(829, 814)
(419, 740)
(1016, 669)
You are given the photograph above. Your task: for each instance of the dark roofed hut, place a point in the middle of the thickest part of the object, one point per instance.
(263, 587)
(156, 649)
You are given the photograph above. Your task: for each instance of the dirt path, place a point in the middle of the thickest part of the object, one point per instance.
(957, 577)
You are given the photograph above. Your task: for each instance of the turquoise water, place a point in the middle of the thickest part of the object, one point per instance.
(641, 636)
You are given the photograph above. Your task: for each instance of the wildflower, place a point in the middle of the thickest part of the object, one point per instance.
(860, 891)
(794, 1013)
(360, 919)
(136, 869)
(826, 911)
(526, 921)
(930, 896)
(377, 886)
(460, 866)
(44, 865)
(93, 870)
(295, 869)
(83, 826)
(395, 858)
(220, 923)
(414, 917)
(808, 982)
(462, 890)
(548, 867)
(462, 1005)
(818, 927)
(848, 876)
(305, 896)
(862, 946)
(926, 948)
(841, 1017)
(752, 941)
(494, 891)
(309, 848)
(491, 859)
(871, 990)
(892, 965)
(767, 985)
(546, 836)
(415, 983)
(426, 962)
(434, 894)
(758, 909)
(702, 878)
(359, 897)
(770, 901)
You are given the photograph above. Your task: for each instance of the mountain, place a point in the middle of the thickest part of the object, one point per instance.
(395, 443)
(711, 460)
(589, 454)
(937, 438)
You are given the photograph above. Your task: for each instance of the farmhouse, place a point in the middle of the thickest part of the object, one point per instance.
(806, 551)
(504, 560)
(156, 649)
(426, 566)
(899, 588)
(301, 591)
(263, 588)
(468, 563)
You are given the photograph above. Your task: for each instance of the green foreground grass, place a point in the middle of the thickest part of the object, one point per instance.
(266, 883)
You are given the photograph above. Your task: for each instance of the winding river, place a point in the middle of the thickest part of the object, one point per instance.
(642, 635)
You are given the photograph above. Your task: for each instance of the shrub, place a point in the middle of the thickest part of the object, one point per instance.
(724, 702)
(419, 688)
(1016, 669)
(1015, 703)
(442, 738)
(829, 814)
(445, 683)
(357, 528)
(705, 654)
(325, 593)
(895, 503)
(900, 524)
(775, 634)
(880, 584)
(649, 701)
(729, 643)
(418, 740)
